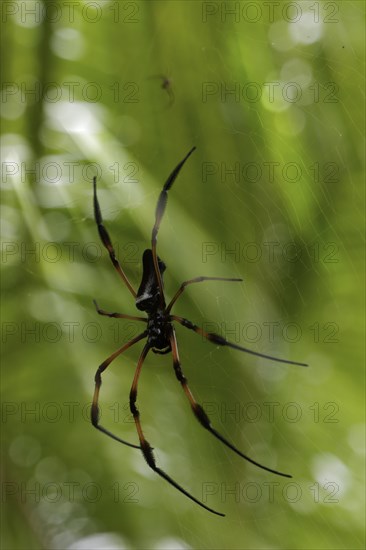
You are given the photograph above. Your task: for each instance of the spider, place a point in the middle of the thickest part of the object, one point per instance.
(160, 335)
(166, 84)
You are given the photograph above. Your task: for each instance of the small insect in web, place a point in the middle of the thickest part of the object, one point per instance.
(167, 85)
(160, 336)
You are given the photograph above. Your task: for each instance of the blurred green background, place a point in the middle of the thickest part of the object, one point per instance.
(272, 96)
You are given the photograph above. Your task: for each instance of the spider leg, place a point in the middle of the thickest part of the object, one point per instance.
(106, 240)
(170, 93)
(200, 413)
(219, 340)
(118, 315)
(159, 213)
(195, 280)
(98, 382)
(145, 446)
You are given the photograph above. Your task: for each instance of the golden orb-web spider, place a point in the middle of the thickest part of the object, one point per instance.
(160, 335)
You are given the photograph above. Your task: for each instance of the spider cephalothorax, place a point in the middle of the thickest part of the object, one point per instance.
(160, 335)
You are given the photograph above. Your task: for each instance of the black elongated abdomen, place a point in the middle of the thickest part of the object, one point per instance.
(148, 294)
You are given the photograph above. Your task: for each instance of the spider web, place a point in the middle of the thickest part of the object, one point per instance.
(317, 292)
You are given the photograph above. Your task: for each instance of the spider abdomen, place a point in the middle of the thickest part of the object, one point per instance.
(148, 295)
